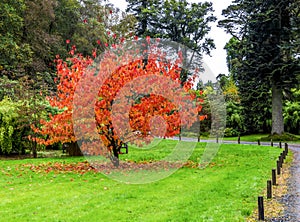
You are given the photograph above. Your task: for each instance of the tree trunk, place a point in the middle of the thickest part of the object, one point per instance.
(277, 116)
(73, 149)
(115, 157)
(34, 150)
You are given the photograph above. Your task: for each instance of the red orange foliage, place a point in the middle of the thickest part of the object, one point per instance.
(115, 123)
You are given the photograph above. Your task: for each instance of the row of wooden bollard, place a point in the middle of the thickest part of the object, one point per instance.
(258, 142)
(272, 144)
(280, 161)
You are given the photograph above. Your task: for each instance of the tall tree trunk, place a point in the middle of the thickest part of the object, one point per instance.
(277, 116)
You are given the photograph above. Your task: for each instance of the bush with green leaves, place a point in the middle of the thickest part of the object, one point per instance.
(10, 138)
(230, 132)
(234, 120)
(22, 104)
(291, 116)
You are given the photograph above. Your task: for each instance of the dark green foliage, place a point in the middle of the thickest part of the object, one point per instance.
(291, 113)
(235, 123)
(185, 23)
(34, 32)
(230, 132)
(142, 9)
(233, 57)
(22, 104)
(262, 56)
(180, 21)
(10, 140)
(15, 54)
(291, 117)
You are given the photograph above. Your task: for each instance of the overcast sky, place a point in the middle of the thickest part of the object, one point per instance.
(216, 63)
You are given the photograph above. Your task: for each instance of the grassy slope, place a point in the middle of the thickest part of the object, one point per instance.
(227, 190)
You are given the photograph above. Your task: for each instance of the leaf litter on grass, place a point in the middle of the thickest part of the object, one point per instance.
(96, 167)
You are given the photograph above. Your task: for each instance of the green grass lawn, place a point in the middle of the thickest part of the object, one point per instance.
(226, 190)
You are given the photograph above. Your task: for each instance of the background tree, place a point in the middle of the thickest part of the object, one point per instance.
(141, 10)
(264, 31)
(179, 21)
(33, 32)
(38, 19)
(234, 109)
(15, 53)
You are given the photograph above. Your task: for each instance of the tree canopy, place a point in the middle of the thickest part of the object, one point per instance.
(262, 55)
(180, 21)
(110, 113)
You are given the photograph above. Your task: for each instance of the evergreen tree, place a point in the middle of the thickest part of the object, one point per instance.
(142, 10)
(265, 30)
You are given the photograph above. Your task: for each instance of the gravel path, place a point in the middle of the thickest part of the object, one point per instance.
(291, 200)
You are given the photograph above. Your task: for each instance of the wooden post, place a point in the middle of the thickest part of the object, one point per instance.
(269, 189)
(272, 142)
(199, 133)
(239, 140)
(284, 155)
(286, 148)
(217, 139)
(280, 145)
(180, 134)
(278, 167)
(261, 213)
(258, 142)
(280, 160)
(273, 177)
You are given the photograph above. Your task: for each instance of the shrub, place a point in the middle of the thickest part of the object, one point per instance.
(230, 132)
(10, 135)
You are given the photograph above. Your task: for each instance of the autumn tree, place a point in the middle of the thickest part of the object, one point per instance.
(59, 127)
(95, 87)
